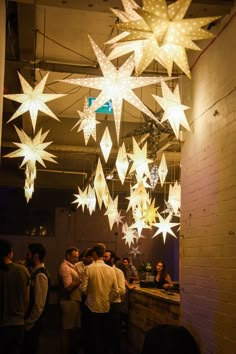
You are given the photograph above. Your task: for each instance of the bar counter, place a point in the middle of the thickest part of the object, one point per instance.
(147, 308)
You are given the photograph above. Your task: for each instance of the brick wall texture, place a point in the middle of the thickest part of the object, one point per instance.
(208, 211)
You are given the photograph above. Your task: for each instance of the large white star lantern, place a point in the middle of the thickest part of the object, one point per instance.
(116, 85)
(173, 109)
(33, 100)
(166, 33)
(165, 226)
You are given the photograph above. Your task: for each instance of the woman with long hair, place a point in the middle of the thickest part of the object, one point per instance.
(162, 278)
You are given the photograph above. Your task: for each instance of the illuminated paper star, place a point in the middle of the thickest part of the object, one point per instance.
(154, 176)
(32, 149)
(122, 163)
(33, 100)
(112, 211)
(118, 219)
(140, 160)
(166, 33)
(129, 236)
(173, 109)
(162, 170)
(139, 224)
(169, 209)
(81, 198)
(174, 198)
(164, 227)
(106, 144)
(87, 123)
(100, 184)
(29, 190)
(91, 199)
(117, 85)
(129, 13)
(135, 251)
(150, 213)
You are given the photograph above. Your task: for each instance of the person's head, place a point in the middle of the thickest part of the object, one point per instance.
(98, 251)
(123, 268)
(35, 254)
(72, 255)
(161, 267)
(6, 253)
(126, 261)
(109, 257)
(87, 257)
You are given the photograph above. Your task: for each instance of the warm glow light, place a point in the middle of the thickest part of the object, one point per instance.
(140, 160)
(81, 198)
(122, 163)
(166, 33)
(116, 85)
(112, 211)
(175, 197)
(87, 123)
(33, 100)
(154, 176)
(173, 109)
(100, 185)
(106, 144)
(164, 227)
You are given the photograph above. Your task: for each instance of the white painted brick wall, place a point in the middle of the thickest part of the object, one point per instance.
(208, 211)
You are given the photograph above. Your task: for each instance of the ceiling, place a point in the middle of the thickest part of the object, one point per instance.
(52, 36)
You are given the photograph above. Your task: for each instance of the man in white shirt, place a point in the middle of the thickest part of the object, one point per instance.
(38, 297)
(99, 283)
(115, 309)
(70, 296)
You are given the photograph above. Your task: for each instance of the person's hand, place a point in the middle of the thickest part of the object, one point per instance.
(166, 286)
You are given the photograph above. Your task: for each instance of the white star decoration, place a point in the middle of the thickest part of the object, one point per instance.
(87, 123)
(81, 198)
(122, 163)
(164, 227)
(173, 109)
(162, 170)
(129, 236)
(33, 100)
(135, 251)
(106, 144)
(140, 160)
(112, 211)
(117, 85)
(166, 33)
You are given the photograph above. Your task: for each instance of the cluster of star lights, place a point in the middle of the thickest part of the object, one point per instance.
(154, 32)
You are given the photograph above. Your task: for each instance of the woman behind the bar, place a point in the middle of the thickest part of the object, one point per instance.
(162, 278)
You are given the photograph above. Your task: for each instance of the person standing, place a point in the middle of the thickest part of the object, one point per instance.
(39, 292)
(14, 300)
(162, 278)
(115, 308)
(70, 297)
(99, 283)
(132, 272)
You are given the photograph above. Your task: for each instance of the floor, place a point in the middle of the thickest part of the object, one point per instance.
(50, 342)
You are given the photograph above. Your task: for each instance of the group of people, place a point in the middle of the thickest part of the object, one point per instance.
(23, 298)
(93, 288)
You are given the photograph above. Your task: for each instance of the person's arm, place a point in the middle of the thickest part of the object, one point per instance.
(169, 283)
(84, 281)
(68, 283)
(40, 296)
(121, 283)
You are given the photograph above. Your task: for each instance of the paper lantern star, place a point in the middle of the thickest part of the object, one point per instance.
(162, 170)
(116, 85)
(135, 251)
(33, 100)
(129, 13)
(174, 198)
(91, 199)
(140, 160)
(32, 150)
(154, 176)
(150, 213)
(164, 227)
(122, 163)
(118, 219)
(106, 144)
(112, 211)
(173, 109)
(139, 224)
(129, 236)
(87, 123)
(100, 184)
(81, 198)
(166, 33)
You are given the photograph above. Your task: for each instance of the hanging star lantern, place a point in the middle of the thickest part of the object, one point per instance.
(100, 185)
(122, 163)
(112, 211)
(164, 227)
(135, 251)
(129, 13)
(173, 109)
(166, 33)
(118, 219)
(116, 85)
(87, 123)
(162, 170)
(91, 200)
(129, 236)
(174, 198)
(106, 144)
(150, 213)
(154, 176)
(81, 198)
(33, 100)
(140, 160)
